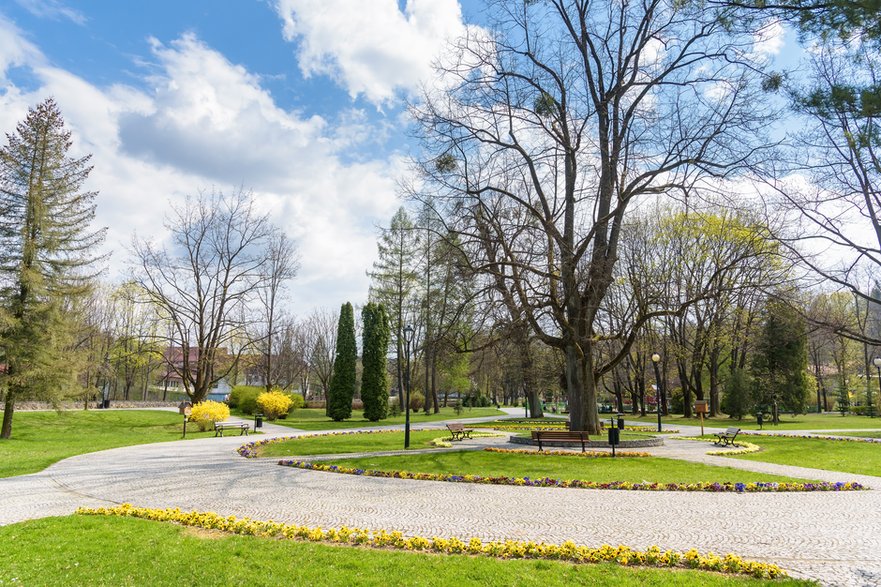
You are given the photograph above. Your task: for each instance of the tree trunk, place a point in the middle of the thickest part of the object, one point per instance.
(8, 408)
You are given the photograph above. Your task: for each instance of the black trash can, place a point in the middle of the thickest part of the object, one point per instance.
(620, 421)
(106, 404)
(258, 420)
(614, 436)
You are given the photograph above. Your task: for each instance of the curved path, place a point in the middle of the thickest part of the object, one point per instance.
(832, 537)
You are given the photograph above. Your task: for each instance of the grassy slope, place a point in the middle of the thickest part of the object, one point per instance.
(42, 438)
(83, 550)
(314, 419)
(860, 458)
(350, 443)
(600, 470)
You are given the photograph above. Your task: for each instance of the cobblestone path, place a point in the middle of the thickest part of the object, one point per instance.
(832, 537)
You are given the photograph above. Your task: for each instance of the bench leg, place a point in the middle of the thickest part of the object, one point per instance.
(539, 445)
(582, 443)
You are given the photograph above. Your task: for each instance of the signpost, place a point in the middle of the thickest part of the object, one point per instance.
(700, 407)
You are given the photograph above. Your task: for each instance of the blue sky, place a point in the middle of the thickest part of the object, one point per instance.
(299, 100)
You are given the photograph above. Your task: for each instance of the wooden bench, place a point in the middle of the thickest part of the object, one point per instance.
(458, 432)
(560, 436)
(242, 427)
(726, 438)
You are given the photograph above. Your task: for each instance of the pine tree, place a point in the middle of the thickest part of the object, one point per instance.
(736, 401)
(374, 378)
(780, 361)
(342, 386)
(45, 249)
(842, 400)
(393, 282)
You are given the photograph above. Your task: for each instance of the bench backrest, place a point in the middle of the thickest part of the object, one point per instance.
(455, 426)
(732, 430)
(558, 433)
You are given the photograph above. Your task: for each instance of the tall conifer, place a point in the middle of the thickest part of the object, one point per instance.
(374, 378)
(45, 248)
(342, 386)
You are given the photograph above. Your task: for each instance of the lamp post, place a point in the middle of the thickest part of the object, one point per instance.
(877, 362)
(408, 338)
(656, 358)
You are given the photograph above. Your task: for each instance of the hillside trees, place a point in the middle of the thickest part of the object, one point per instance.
(565, 116)
(46, 250)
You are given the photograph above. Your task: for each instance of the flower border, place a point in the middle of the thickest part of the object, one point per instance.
(742, 448)
(715, 487)
(812, 436)
(508, 549)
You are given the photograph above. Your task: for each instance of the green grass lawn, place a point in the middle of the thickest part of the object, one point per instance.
(314, 419)
(860, 458)
(84, 550)
(787, 422)
(349, 443)
(42, 438)
(870, 434)
(602, 470)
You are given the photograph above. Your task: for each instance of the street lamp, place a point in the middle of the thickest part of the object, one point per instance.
(656, 358)
(877, 362)
(408, 338)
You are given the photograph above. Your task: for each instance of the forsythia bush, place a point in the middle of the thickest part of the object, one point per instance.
(273, 403)
(206, 413)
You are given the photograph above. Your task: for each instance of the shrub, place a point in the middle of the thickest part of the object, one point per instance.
(417, 401)
(274, 403)
(297, 402)
(206, 413)
(244, 397)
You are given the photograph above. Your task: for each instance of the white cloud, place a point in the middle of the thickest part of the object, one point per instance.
(376, 52)
(52, 9)
(769, 39)
(207, 123)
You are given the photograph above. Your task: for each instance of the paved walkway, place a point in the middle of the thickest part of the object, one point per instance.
(833, 537)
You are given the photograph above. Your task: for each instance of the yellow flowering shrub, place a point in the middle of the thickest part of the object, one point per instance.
(205, 414)
(273, 403)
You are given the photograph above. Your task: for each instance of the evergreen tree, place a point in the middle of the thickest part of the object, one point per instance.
(393, 282)
(374, 378)
(45, 248)
(342, 385)
(842, 401)
(780, 360)
(736, 402)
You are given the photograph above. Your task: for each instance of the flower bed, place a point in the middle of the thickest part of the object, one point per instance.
(518, 427)
(591, 454)
(716, 487)
(567, 551)
(445, 442)
(741, 448)
(813, 437)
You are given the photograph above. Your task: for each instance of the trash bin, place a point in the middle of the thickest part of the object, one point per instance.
(106, 404)
(620, 421)
(614, 436)
(760, 419)
(258, 420)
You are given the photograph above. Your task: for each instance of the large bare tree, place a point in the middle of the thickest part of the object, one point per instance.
(562, 118)
(204, 283)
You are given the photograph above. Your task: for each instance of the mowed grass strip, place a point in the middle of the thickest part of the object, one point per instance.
(40, 439)
(635, 470)
(858, 458)
(787, 422)
(82, 550)
(316, 419)
(350, 443)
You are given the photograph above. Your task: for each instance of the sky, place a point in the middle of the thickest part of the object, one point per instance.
(300, 101)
